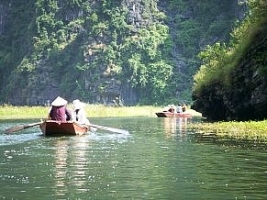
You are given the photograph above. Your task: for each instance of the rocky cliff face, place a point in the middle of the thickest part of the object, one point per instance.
(43, 85)
(45, 82)
(246, 97)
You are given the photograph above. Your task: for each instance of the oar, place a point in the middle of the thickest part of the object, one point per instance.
(115, 130)
(21, 127)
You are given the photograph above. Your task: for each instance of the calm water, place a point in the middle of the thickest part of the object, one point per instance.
(160, 159)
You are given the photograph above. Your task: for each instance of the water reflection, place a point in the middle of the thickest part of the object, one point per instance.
(70, 165)
(176, 125)
(79, 162)
(143, 165)
(61, 167)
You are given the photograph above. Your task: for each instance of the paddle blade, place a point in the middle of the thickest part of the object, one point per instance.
(21, 127)
(115, 130)
(14, 129)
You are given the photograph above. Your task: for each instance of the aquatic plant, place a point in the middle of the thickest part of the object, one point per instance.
(249, 130)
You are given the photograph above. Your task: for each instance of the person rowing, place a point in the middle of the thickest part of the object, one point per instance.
(59, 111)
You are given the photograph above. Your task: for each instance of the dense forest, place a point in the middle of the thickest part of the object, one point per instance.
(134, 51)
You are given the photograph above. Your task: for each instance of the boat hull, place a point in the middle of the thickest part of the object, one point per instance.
(170, 114)
(57, 128)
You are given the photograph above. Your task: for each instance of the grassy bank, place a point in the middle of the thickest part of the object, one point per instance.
(250, 130)
(27, 112)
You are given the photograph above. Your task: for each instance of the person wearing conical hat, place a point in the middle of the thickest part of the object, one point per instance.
(78, 113)
(59, 111)
(172, 109)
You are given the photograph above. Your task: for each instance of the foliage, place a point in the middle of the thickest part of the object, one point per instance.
(220, 59)
(81, 44)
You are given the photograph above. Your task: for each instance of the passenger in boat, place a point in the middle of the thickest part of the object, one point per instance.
(78, 113)
(59, 111)
(172, 109)
(184, 108)
(179, 109)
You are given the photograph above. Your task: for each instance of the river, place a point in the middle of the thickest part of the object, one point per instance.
(159, 159)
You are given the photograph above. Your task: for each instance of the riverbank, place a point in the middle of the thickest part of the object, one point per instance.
(250, 130)
(92, 110)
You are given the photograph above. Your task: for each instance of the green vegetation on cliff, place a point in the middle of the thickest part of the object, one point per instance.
(142, 52)
(231, 79)
(221, 59)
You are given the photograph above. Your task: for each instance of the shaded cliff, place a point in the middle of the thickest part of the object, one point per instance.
(241, 93)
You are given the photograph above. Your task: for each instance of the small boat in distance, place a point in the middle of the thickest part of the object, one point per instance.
(172, 111)
(58, 128)
(171, 114)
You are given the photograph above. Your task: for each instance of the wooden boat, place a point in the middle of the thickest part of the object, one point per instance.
(56, 128)
(171, 114)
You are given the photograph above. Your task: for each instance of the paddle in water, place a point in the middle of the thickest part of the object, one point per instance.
(21, 127)
(115, 130)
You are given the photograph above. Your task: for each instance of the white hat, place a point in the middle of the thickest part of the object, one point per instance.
(77, 104)
(59, 102)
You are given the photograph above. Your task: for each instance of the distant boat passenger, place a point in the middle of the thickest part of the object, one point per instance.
(179, 109)
(172, 109)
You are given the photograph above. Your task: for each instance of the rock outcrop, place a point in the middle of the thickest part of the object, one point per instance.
(245, 98)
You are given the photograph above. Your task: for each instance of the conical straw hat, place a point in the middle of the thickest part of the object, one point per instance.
(59, 102)
(78, 104)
